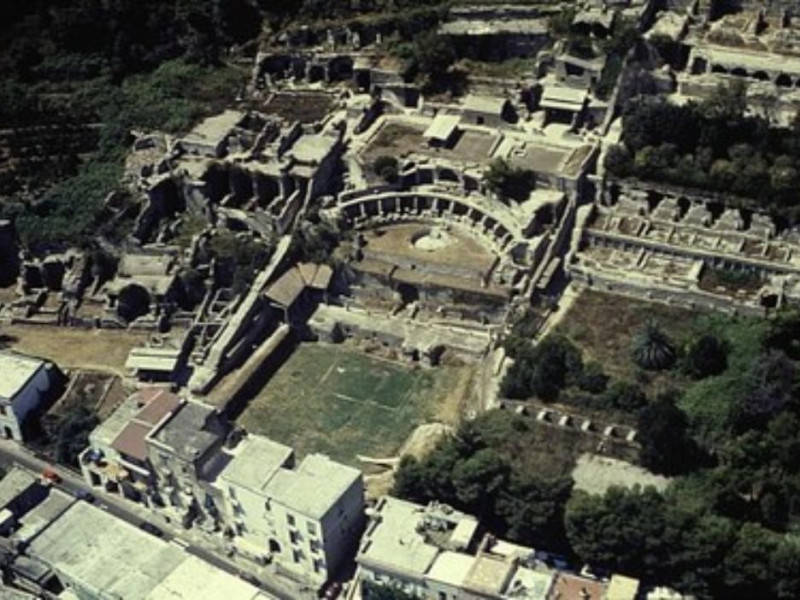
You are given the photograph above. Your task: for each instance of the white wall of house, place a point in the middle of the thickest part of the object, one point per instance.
(304, 545)
(13, 411)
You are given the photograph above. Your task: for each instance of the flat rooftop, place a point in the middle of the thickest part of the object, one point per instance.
(17, 370)
(573, 587)
(213, 129)
(394, 539)
(530, 584)
(255, 460)
(195, 579)
(185, 432)
(313, 148)
(489, 574)
(451, 568)
(107, 556)
(14, 483)
(314, 487)
(44, 513)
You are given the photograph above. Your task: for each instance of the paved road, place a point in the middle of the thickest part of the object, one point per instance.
(11, 453)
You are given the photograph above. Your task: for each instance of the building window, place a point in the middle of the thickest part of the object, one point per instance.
(267, 506)
(312, 529)
(297, 555)
(294, 536)
(3, 410)
(290, 520)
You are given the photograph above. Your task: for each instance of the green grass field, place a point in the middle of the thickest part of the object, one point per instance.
(344, 403)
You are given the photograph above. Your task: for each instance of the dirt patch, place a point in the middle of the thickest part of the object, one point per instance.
(306, 107)
(595, 474)
(460, 393)
(102, 350)
(424, 439)
(378, 485)
(604, 325)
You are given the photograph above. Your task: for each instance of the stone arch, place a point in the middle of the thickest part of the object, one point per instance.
(446, 174)
(739, 72)
(718, 69)
(761, 76)
(699, 65)
(783, 80)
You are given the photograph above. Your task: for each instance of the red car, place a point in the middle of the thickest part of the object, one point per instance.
(49, 475)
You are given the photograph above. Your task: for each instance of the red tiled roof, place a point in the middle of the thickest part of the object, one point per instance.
(131, 440)
(287, 288)
(160, 404)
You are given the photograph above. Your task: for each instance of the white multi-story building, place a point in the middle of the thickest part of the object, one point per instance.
(25, 383)
(307, 519)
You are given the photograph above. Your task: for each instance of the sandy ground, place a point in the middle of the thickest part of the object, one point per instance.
(102, 350)
(451, 410)
(595, 474)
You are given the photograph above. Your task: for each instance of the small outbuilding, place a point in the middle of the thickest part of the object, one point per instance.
(442, 131)
(26, 385)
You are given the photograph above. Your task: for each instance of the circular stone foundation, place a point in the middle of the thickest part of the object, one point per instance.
(431, 239)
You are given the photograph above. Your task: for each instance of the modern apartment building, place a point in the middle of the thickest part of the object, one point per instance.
(306, 518)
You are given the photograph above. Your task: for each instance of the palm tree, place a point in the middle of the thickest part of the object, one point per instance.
(652, 349)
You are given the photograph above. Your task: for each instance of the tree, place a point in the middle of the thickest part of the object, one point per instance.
(543, 370)
(618, 161)
(478, 479)
(509, 182)
(387, 168)
(622, 531)
(667, 447)
(624, 395)
(705, 355)
(377, 591)
(728, 103)
(785, 566)
(652, 349)
(432, 55)
(770, 387)
(747, 565)
(593, 379)
(532, 508)
(72, 435)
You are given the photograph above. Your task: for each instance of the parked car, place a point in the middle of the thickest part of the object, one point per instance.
(84, 495)
(249, 578)
(151, 529)
(50, 476)
(333, 590)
